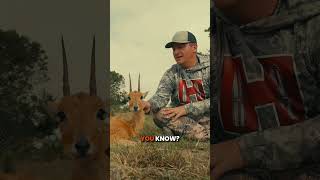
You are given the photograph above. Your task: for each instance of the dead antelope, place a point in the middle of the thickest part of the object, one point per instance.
(127, 125)
(82, 126)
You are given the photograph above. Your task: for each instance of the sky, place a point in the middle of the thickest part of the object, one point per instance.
(140, 29)
(45, 20)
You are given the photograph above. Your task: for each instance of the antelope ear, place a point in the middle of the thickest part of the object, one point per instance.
(145, 94)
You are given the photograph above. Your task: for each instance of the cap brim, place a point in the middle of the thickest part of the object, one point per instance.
(170, 44)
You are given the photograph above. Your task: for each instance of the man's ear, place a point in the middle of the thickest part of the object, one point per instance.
(195, 47)
(145, 94)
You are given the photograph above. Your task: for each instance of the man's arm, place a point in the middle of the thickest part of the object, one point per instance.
(198, 108)
(284, 147)
(165, 89)
(194, 109)
(274, 149)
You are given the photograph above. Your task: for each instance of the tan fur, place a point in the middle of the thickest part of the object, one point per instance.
(81, 122)
(127, 125)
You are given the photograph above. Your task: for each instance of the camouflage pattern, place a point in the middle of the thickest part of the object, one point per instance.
(198, 129)
(188, 88)
(168, 88)
(274, 145)
(308, 173)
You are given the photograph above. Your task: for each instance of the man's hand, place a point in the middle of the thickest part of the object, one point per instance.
(147, 106)
(174, 113)
(226, 157)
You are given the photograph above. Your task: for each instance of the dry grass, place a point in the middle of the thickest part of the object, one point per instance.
(166, 160)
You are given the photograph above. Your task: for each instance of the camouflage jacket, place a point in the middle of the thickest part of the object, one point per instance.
(188, 87)
(267, 84)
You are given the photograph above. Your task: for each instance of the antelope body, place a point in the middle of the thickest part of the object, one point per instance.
(127, 125)
(82, 126)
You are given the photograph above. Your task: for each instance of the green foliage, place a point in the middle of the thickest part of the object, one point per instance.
(23, 69)
(118, 96)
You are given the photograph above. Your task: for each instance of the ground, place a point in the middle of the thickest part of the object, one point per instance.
(185, 159)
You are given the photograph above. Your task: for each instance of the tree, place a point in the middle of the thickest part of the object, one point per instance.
(23, 68)
(118, 96)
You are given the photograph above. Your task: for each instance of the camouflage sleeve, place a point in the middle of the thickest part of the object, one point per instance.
(162, 96)
(198, 108)
(284, 147)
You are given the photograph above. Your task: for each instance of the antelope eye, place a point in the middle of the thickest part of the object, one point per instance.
(101, 114)
(141, 97)
(62, 116)
(129, 97)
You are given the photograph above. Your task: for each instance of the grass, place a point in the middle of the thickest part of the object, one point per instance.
(185, 159)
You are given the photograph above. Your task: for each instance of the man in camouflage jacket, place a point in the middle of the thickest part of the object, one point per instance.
(266, 85)
(186, 86)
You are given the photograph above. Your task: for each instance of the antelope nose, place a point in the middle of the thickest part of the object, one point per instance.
(82, 146)
(135, 108)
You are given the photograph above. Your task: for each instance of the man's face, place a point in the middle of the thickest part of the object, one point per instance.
(183, 53)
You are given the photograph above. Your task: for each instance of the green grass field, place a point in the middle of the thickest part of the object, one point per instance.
(185, 159)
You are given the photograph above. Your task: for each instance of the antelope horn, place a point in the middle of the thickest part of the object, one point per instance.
(93, 86)
(66, 87)
(139, 83)
(130, 83)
